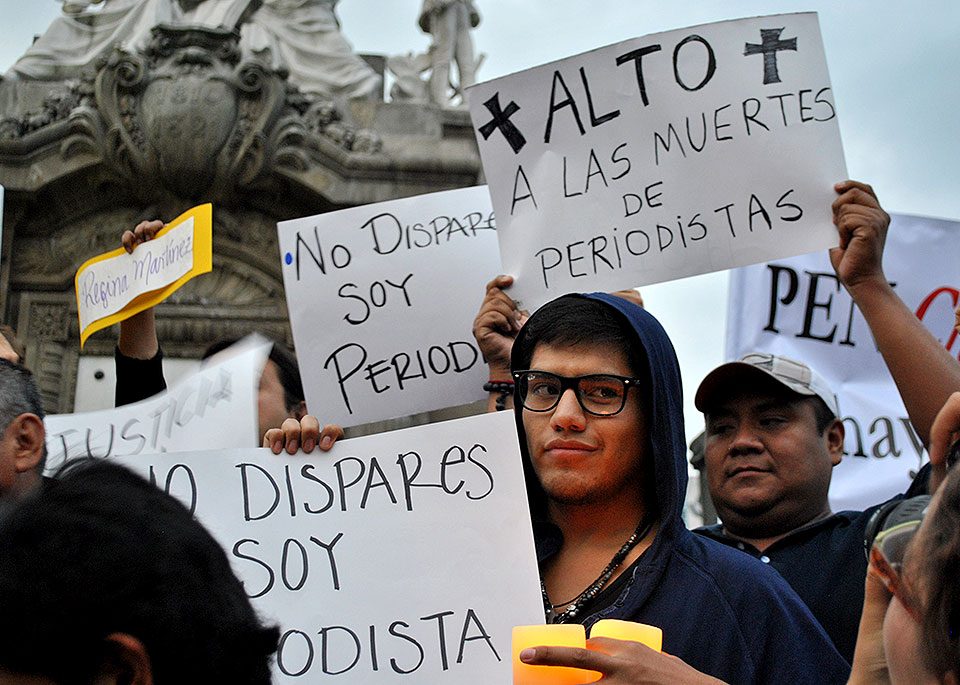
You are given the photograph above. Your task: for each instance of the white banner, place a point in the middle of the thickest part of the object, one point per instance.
(661, 157)
(213, 409)
(797, 307)
(382, 299)
(403, 557)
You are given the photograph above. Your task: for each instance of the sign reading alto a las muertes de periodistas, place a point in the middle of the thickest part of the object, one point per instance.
(403, 557)
(116, 285)
(661, 157)
(214, 408)
(382, 299)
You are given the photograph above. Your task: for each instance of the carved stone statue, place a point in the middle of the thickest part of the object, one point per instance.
(301, 37)
(450, 22)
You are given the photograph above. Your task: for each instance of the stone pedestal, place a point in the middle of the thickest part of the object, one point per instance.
(187, 121)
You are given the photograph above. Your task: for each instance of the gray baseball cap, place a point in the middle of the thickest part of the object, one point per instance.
(790, 373)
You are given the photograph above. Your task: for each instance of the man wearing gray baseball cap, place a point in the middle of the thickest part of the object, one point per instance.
(773, 433)
(773, 436)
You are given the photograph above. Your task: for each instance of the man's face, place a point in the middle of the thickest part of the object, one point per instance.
(271, 403)
(768, 467)
(580, 458)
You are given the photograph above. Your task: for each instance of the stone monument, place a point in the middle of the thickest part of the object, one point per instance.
(259, 107)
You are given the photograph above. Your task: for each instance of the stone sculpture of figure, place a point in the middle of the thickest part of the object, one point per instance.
(82, 34)
(449, 22)
(302, 36)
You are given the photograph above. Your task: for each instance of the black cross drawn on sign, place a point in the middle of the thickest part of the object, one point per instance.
(769, 47)
(501, 121)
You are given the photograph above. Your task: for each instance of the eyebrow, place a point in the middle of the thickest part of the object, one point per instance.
(786, 403)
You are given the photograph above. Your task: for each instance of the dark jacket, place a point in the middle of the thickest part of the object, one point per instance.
(721, 612)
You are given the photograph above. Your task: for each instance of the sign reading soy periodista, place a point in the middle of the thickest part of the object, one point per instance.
(403, 557)
(661, 157)
(381, 300)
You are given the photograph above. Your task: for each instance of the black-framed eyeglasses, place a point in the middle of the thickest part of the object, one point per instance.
(600, 394)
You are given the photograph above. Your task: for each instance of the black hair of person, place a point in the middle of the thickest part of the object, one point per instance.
(100, 550)
(933, 571)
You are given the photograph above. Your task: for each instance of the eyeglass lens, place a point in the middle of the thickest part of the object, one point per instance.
(597, 394)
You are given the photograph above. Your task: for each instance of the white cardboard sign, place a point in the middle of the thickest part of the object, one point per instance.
(403, 557)
(797, 307)
(661, 157)
(212, 409)
(382, 299)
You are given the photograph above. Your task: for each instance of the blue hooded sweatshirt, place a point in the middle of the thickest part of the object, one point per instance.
(721, 611)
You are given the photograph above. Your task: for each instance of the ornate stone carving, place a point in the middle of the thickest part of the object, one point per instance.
(49, 321)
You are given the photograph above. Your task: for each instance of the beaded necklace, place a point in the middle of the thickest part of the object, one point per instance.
(574, 605)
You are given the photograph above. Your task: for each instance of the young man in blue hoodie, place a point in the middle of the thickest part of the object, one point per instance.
(598, 407)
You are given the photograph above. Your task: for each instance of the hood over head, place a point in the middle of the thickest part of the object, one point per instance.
(666, 442)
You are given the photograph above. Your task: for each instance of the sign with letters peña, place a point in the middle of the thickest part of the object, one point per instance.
(216, 407)
(671, 155)
(116, 285)
(382, 299)
(403, 557)
(797, 307)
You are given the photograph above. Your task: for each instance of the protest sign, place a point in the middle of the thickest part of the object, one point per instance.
(661, 157)
(394, 558)
(797, 307)
(114, 286)
(382, 299)
(214, 408)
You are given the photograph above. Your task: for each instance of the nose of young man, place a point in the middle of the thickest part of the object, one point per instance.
(568, 415)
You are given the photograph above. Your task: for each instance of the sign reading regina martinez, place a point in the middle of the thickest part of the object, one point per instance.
(661, 157)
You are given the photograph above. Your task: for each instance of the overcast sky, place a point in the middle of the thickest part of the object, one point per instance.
(894, 67)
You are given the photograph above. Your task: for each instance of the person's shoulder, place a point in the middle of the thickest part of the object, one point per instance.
(732, 571)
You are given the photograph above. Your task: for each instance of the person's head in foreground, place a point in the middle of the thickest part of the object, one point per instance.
(773, 437)
(106, 579)
(22, 436)
(921, 625)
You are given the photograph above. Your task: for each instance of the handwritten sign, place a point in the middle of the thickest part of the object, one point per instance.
(214, 408)
(382, 299)
(798, 308)
(395, 558)
(661, 157)
(114, 286)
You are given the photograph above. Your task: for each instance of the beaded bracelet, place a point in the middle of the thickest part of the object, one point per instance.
(505, 388)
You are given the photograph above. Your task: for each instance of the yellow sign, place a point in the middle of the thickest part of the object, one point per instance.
(114, 286)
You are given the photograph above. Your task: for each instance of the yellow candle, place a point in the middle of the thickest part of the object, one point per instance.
(651, 636)
(566, 635)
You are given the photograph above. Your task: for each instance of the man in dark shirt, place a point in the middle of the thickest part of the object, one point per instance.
(773, 434)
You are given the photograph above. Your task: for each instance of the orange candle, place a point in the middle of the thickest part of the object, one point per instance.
(557, 635)
(651, 636)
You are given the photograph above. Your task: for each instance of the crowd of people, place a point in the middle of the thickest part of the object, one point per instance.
(779, 591)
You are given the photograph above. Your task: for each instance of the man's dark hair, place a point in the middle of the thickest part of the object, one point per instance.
(822, 414)
(936, 567)
(19, 395)
(575, 321)
(99, 551)
(287, 369)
